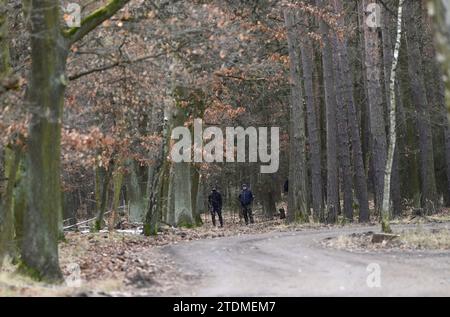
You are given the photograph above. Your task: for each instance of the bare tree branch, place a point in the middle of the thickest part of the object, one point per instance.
(113, 65)
(93, 20)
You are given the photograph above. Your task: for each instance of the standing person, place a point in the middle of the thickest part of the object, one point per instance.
(215, 206)
(246, 199)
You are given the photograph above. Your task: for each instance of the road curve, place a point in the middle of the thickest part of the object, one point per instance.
(295, 264)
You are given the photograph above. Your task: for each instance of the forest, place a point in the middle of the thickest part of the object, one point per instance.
(127, 126)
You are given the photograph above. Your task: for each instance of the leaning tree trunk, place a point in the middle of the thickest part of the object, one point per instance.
(45, 101)
(429, 199)
(331, 124)
(298, 209)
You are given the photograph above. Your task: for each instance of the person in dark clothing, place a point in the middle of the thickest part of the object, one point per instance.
(246, 199)
(286, 186)
(215, 206)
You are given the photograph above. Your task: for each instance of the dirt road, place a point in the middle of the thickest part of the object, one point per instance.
(295, 264)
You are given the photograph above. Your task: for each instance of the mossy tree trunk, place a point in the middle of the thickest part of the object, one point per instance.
(9, 156)
(7, 245)
(20, 201)
(49, 49)
(45, 101)
(5, 61)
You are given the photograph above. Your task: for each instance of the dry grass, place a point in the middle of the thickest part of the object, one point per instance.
(419, 238)
(13, 285)
(434, 239)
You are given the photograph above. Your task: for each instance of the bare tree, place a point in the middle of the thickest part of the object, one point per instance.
(331, 124)
(392, 124)
(307, 56)
(298, 194)
(50, 44)
(429, 199)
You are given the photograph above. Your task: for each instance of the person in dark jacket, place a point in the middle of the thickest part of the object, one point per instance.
(215, 206)
(246, 199)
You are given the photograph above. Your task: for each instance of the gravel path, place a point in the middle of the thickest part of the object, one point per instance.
(296, 264)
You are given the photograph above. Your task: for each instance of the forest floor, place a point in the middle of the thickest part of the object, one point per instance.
(268, 258)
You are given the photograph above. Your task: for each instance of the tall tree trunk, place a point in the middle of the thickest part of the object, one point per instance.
(376, 109)
(385, 214)
(7, 245)
(435, 88)
(298, 209)
(8, 156)
(45, 100)
(343, 137)
(307, 55)
(353, 122)
(331, 124)
(155, 186)
(387, 62)
(429, 199)
(5, 61)
(49, 49)
(439, 12)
